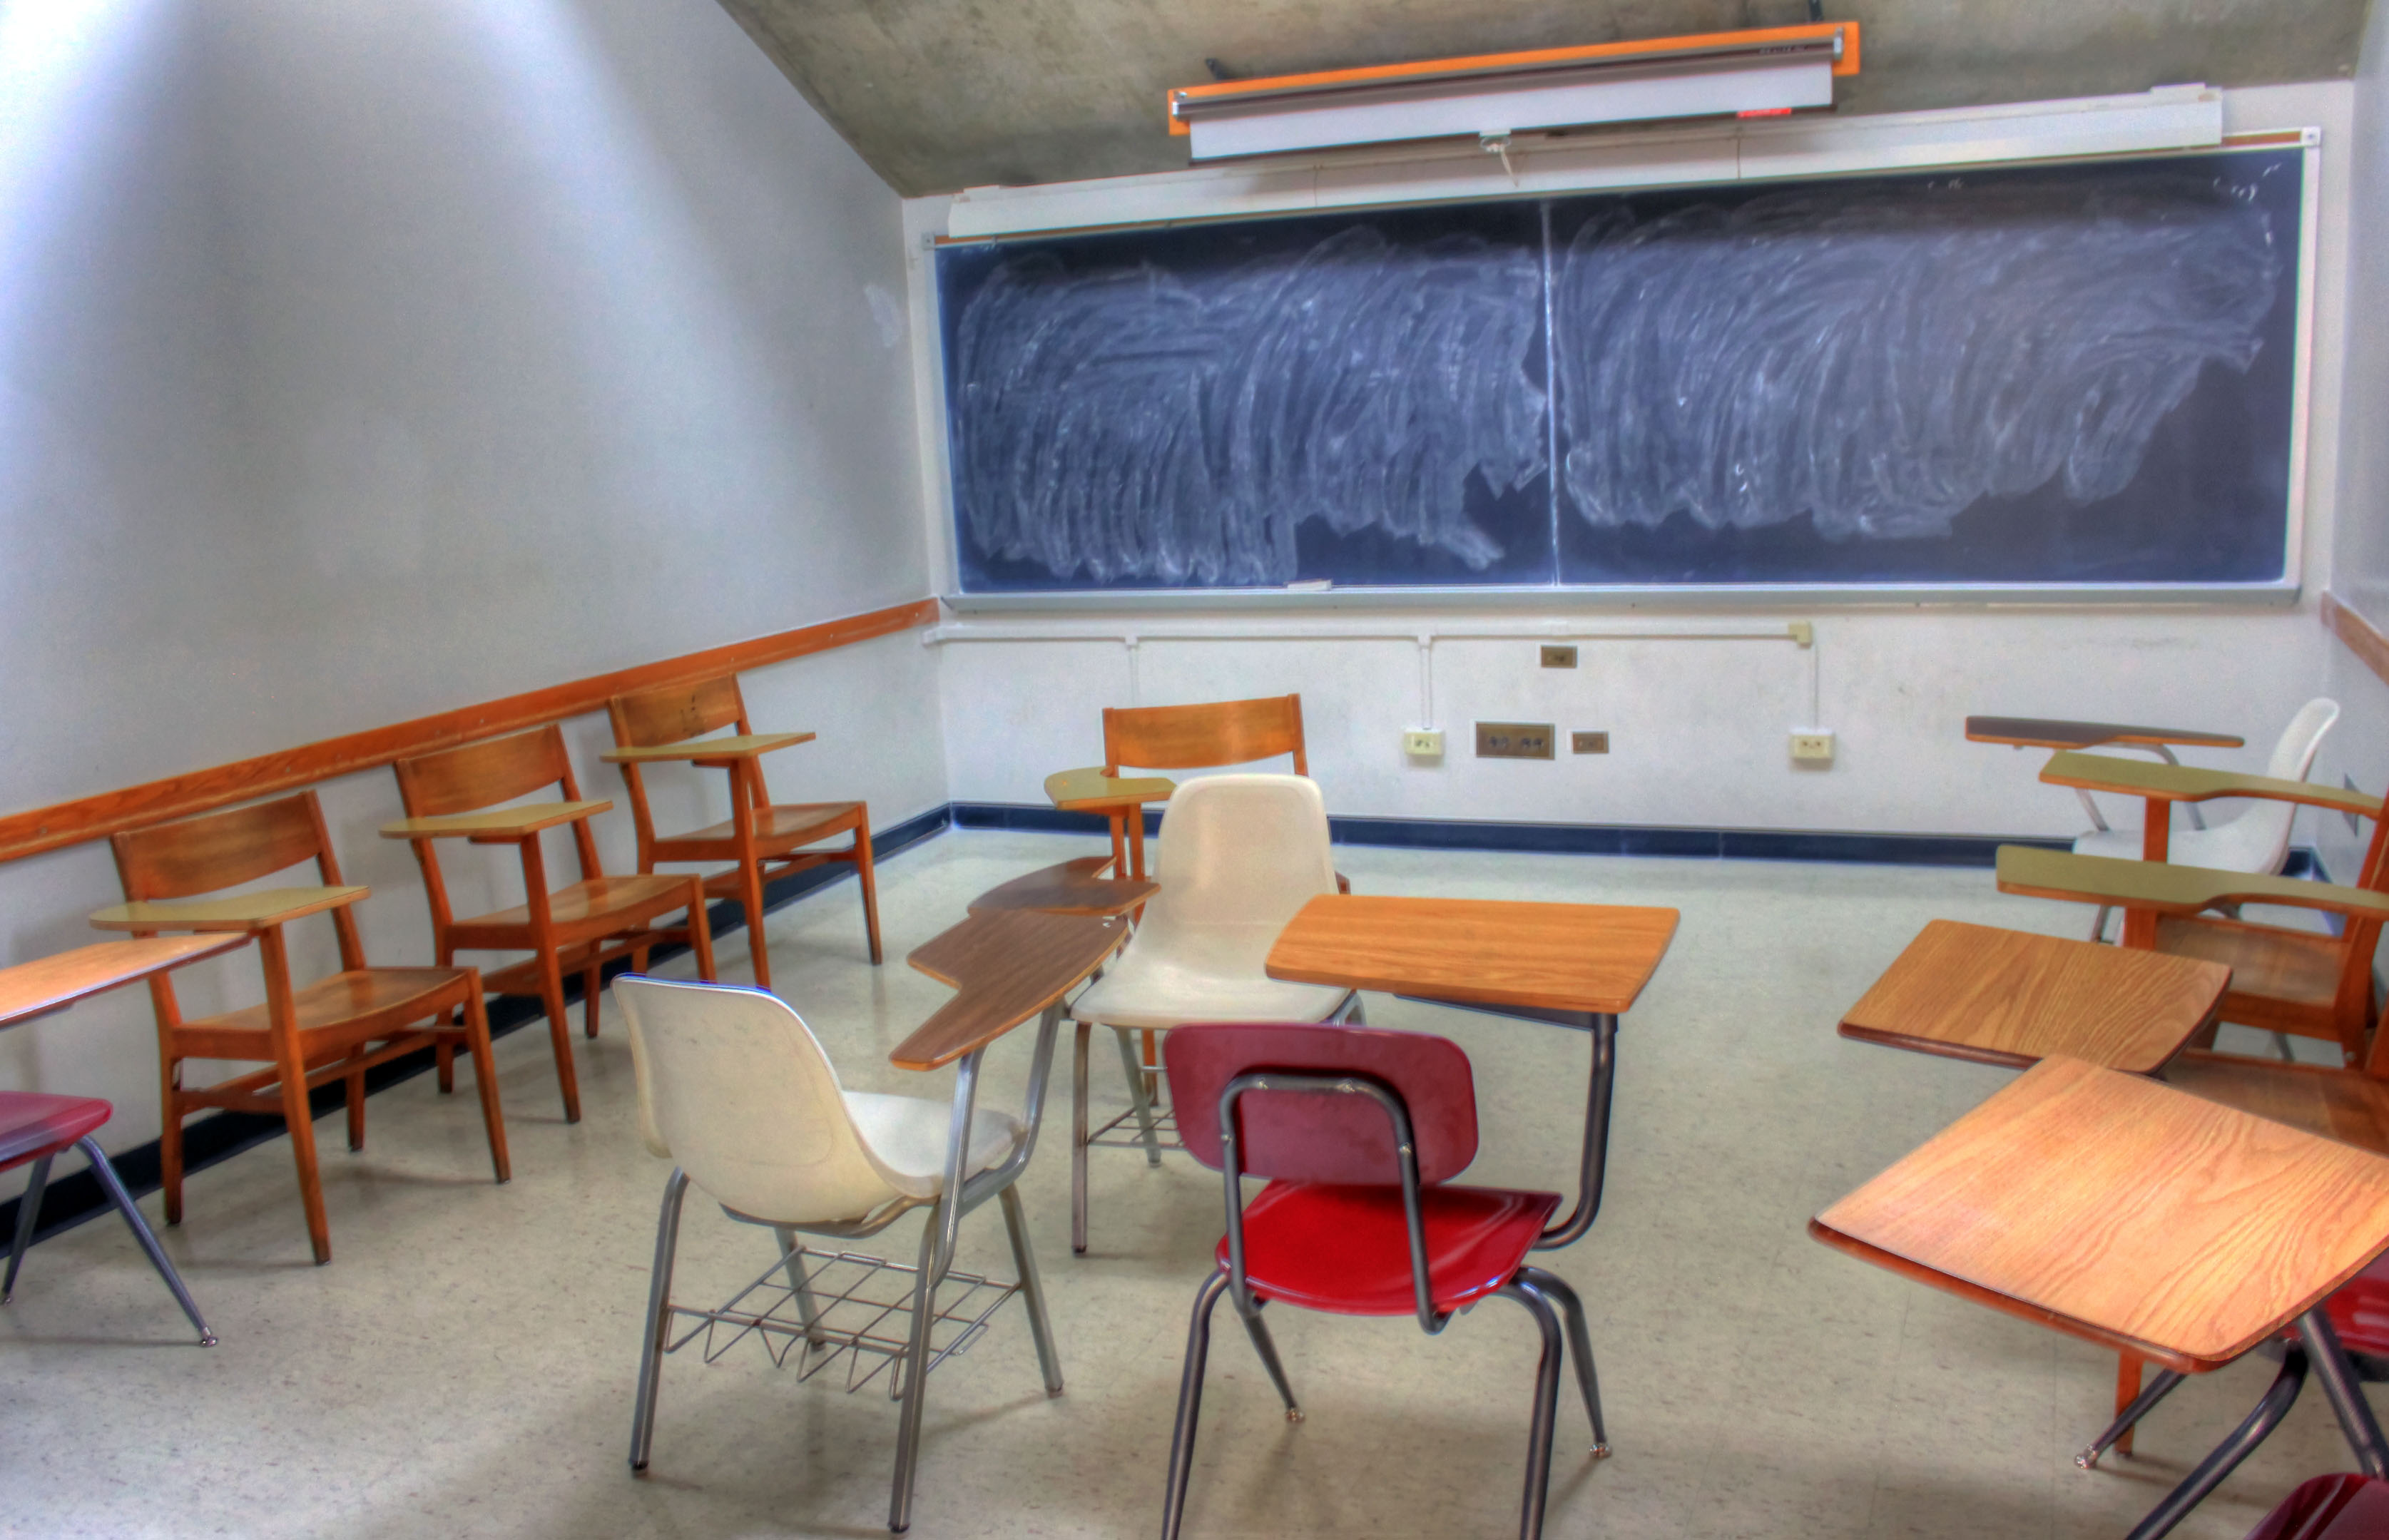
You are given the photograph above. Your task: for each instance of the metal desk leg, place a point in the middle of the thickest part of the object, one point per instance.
(1079, 1141)
(2338, 1377)
(1594, 1161)
(936, 1255)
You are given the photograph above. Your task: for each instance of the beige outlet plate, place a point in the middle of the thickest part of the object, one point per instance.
(1587, 742)
(1515, 740)
(1558, 654)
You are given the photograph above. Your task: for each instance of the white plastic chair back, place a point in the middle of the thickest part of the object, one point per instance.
(2294, 757)
(2256, 838)
(1240, 851)
(736, 1088)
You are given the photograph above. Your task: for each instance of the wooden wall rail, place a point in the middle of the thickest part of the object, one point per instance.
(2361, 636)
(90, 818)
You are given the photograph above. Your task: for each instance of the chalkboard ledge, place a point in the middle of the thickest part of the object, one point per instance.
(2277, 595)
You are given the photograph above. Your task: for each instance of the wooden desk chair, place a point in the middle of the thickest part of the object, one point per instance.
(335, 1028)
(1210, 735)
(763, 839)
(579, 927)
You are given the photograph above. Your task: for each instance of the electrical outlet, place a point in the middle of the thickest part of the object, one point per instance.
(2354, 825)
(1559, 656)
(1587, 742)
(1813, 747)
(1424, 744)
(1514, 740)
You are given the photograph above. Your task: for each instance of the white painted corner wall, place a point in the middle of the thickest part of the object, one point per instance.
(366, 361)
(1699, 729)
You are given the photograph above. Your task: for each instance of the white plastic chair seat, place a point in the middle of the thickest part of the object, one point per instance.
(905, 1139)
(1163, 990)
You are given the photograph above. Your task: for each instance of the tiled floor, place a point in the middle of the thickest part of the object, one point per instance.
(464, 1366)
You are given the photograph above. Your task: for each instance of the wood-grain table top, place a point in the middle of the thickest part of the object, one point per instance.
(2055, 732)
(2120, 1210)
(2001, 996)
(1593, 958)
(52, 983)
(497, 823)
(2144, 778)
(2167, 888)
(744, 746)
(1072, 887)
(237, 911)
(1007, 965)
(1090, 790)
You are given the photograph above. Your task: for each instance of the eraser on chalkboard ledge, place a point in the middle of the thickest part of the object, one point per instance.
(1311, 585)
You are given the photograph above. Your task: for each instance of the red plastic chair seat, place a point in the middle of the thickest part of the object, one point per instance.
(1347, 1250)
(2345, 1507)
(33, 1125)
(2359, 1310)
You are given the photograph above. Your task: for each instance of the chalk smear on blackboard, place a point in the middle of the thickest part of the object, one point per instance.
(1882, 359)
(1126, 425)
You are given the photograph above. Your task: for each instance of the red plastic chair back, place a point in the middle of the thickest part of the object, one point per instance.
(1304, 1138)
(2359, 1310)
(2345, 1507)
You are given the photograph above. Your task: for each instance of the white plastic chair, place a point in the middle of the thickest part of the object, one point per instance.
(1237, 857)
(2256, 840)
(735, 1088)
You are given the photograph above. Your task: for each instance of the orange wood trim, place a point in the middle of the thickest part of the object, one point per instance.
(2361, 636)
(90, 818)
(2265, 137)
(1846, 65)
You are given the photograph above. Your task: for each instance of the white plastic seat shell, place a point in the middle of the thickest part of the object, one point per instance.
(2258, 839)
(734, 1086)
(1239, 855)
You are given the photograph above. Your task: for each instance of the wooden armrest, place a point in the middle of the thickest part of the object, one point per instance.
(238, 912)
(2104, 772)
(707, 750)
(498, 826)
(2055, 732)
(1085, 790)
(2166, 888)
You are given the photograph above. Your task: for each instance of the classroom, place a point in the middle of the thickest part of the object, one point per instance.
(915, 699)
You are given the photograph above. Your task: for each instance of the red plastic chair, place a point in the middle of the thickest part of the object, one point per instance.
(2345, 1507)
(35, 1127)
(1359, 1130)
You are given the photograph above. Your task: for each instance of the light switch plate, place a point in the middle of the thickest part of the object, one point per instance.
(1559, 654)
(1587, 742)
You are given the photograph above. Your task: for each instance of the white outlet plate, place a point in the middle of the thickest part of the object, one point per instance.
(1424, 744)
(1813, 746)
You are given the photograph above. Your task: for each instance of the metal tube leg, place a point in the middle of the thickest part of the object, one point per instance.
(1266, 1345)
(1032, 1288)
(28, 1208)
(917, 1370)
(1547, 1406)
(2098, 923)
(105, 1170)
(1079, 1141)
(792, 1254)
(2143, 1404)
(658, 1335)
(1136, 1096)
(1190, 1402)
(1580, 1340)
(2338, 1377)
(2270, 1408)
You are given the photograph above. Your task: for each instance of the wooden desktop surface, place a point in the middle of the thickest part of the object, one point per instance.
(1008, 965)
(1090, 790)
(745, 746)
(2143, 778)
(1593, 958)
(2001, 996)
(52, 983)
(1072, 887)
(2053, 732)
(237, 911)
(2119, 1210)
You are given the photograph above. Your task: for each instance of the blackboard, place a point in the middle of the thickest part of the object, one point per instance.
(2073, 376)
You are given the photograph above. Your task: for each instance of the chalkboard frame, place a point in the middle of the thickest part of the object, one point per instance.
(2278, 593)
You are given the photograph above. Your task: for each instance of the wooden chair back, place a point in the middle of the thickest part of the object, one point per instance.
(1203, 737)
(677, 713)
(2362, 937)
(482, 775)
(221, 850)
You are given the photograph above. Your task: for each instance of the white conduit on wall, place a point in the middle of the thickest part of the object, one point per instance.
(1801, 634)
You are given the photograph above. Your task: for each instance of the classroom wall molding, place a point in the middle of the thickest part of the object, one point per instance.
(2357, 634)
(98, 816)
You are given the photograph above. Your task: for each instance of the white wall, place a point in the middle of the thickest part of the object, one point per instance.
(1699, 727)
(364, 360)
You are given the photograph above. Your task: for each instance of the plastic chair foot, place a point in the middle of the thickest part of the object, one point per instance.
(1294, 1414)
(2087, 1460)
(1601, 1451)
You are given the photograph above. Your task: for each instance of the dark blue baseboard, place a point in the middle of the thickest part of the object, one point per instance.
(71, 1198)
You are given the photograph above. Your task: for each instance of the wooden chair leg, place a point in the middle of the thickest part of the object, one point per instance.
(593, 983)
(170, 1140)
(551, 994)
(2128, 1390)
(444, 1052)
(700, 930)
(356, 1100)
(750, 899)
(300, 1120)
(866, 875)
(485, 1078)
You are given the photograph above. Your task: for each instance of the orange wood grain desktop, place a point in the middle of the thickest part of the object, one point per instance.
(53, 983)
(89, 817)
(2001, 996)
(1071, 887)
(2121, 1211)
(2052, 732)
(1008, 965)
(1547, 956)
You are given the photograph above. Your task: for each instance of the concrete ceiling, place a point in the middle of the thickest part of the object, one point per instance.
(940, 94)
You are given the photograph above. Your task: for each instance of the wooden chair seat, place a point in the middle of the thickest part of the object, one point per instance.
(2296, 969)
(778, 830)
(2347, 1105)
(599, 905)
(353, 1007)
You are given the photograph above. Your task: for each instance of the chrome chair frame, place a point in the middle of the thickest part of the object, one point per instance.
(29, 1207)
